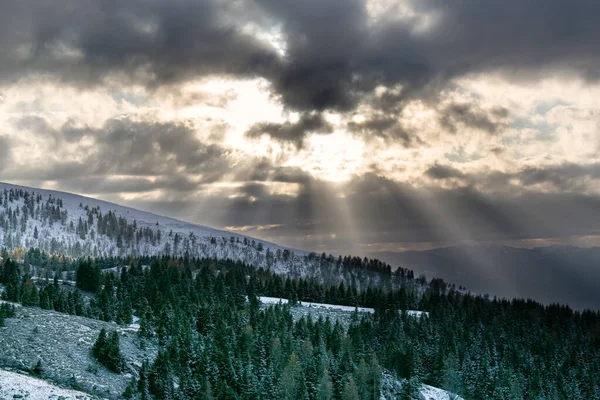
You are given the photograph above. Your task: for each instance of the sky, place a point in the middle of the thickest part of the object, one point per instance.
(355, 126)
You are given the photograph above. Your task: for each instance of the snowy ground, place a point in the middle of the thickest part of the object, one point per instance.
(391, 387)
(62, 343)
(17, 386)
(336, 313)
(432, 393)
(275, 300)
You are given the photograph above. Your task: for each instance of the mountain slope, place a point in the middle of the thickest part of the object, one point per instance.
(75, 226)
(64, 226)
(13, 385)
(62, 343)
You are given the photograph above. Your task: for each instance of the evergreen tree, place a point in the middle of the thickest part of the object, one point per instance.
(107, 351)
(289, 385)
(88, 276)
(410, 389)
(325, 387)
(350, 390)
(451, 380)
(38, 369)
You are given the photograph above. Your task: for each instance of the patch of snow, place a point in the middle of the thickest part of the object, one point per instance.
(276, 300)
(18, 386)
(17, 305)
(391, 388)
(130, 328)
(433, 393)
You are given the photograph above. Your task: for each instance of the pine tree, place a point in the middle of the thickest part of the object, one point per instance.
(451, 380)
(45, 300)
(107, 351)
(89, 276)
(100, 344)
(410, 389)
(325, 387)
(289, 385)
(38, 369)
(143, 384)
(130, 390)
(350, 390)
(125, 313)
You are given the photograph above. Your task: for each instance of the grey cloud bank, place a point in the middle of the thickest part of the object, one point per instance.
(335, 58)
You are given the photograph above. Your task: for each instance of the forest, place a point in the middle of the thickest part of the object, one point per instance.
(217, 341)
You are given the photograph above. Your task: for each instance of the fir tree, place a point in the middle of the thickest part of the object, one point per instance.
(38, 369)
(107, 351)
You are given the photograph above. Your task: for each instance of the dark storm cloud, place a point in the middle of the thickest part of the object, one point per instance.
(178, 184)
(292, 131)
(325, 41)
(566, 177)
(334, 53)
(151, 41)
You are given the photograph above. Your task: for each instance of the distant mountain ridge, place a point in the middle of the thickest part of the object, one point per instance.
(554, 274)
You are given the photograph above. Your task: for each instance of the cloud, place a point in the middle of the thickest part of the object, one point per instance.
(126, 147)
(248, 228)
(334, 53)
(440, 172)
(378, 125)
(563, 177)
(153, 42)
(390, 81)
(378, 212)
(468, 115)
(331, 65)
(5, 152)
(294, 132)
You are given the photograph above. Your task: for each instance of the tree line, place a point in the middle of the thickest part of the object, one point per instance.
(217, 341)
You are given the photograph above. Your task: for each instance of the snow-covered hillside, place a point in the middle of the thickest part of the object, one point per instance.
(62, 343)
(18, 386)
(75, 226)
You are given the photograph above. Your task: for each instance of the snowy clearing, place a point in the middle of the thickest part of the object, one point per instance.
(275, 300)
(391, 389)
(433, 393)
(17, 386)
